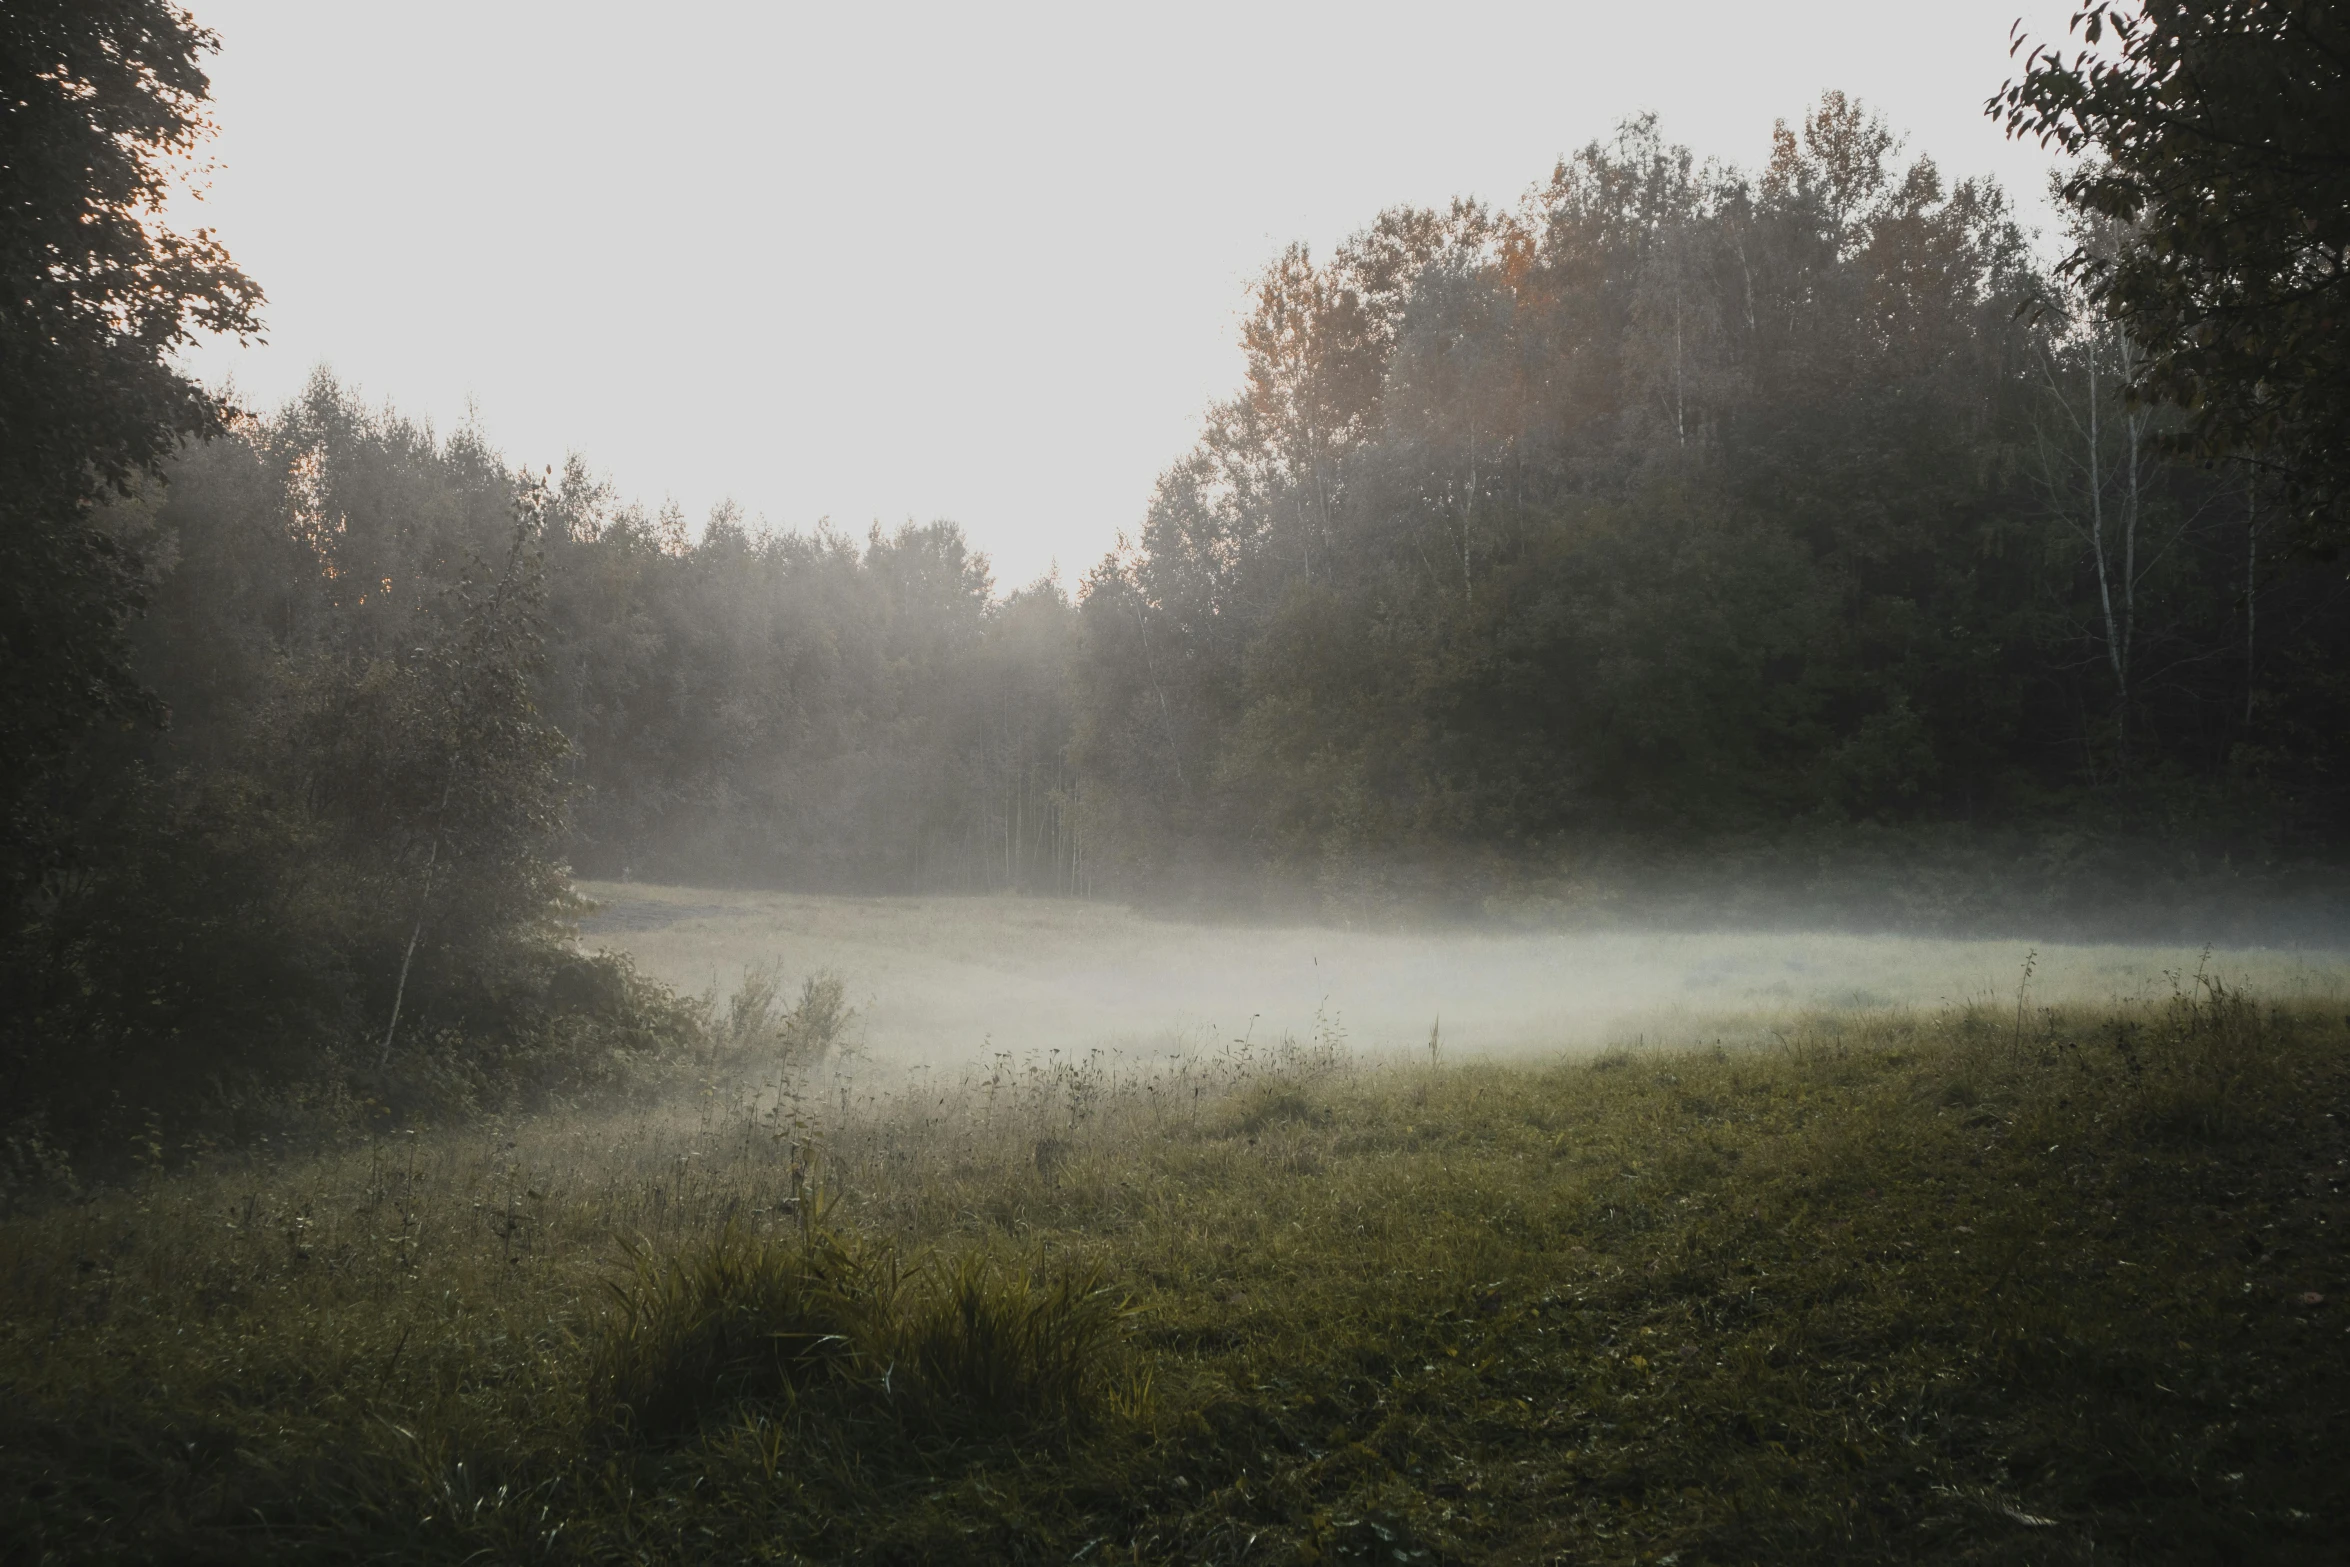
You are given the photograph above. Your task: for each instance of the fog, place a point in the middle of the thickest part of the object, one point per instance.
(948, 981)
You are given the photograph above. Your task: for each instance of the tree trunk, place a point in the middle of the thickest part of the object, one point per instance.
(400, 990)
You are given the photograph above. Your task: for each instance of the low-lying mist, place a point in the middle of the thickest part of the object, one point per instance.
(948, 981)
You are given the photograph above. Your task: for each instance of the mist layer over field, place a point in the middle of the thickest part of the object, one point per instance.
(950, 980)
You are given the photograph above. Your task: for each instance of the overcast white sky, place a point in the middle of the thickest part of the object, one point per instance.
(889, 262)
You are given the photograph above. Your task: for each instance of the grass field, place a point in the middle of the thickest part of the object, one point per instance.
(2013, 1279)
(950, 981)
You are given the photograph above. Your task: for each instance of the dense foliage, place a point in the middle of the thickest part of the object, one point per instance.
(99, 103)
(2218, 133)
(330, 885)
(787, 707)
(1680, 507)
(743, 706)
(280, 844)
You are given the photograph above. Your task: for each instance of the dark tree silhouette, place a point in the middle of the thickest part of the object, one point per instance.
(100, 100)
(2218, 133)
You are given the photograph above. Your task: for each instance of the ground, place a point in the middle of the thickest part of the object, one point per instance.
(2001, 1281)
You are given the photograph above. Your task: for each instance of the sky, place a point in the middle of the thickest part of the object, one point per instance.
(878, 263)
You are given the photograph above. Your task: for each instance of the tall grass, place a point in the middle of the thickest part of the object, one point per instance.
(824, 1327)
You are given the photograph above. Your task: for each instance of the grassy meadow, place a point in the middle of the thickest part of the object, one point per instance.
(2012, 1279)
(948, 981)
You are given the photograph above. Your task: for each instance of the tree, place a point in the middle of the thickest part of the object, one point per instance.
(443, 776)
(2095, 463)
(100, 102)
(2220, 129)
(1313, 378)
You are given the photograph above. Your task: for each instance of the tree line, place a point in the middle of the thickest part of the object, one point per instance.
(1677, 508)
(1684, 506)
(738, 705)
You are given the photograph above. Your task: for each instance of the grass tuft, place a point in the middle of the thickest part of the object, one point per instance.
(835, 1331)
(991, 1345)
(737, 1320)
